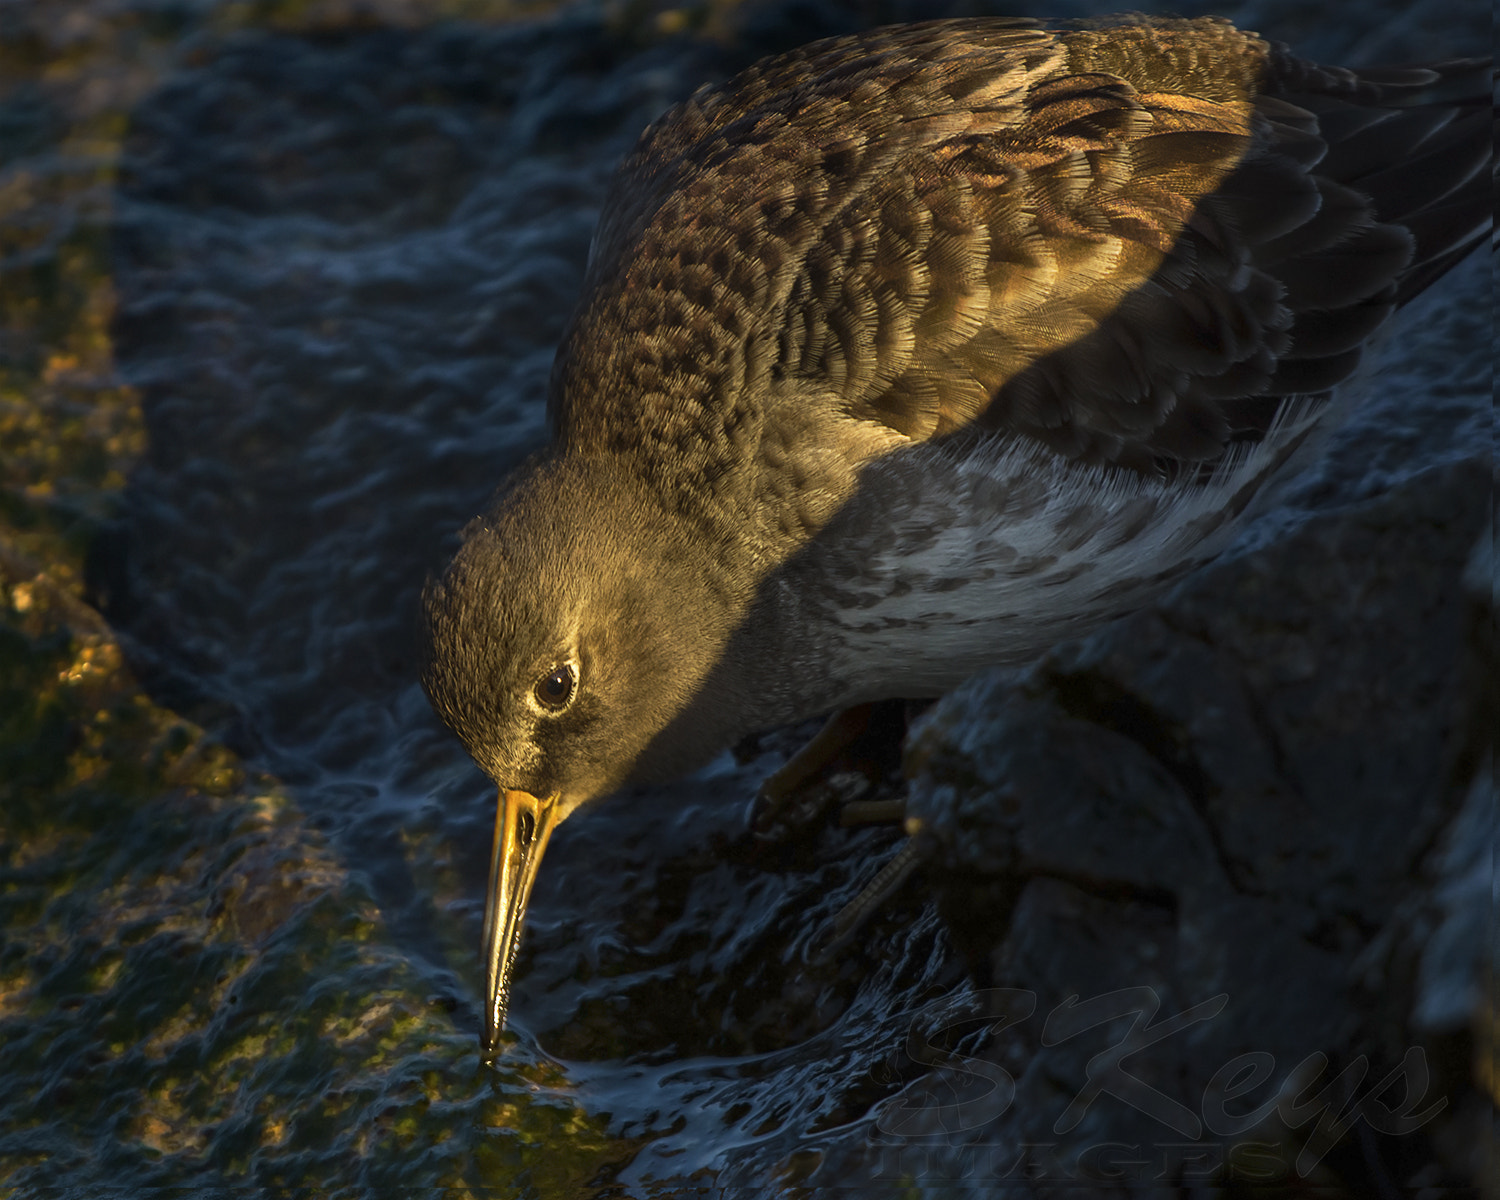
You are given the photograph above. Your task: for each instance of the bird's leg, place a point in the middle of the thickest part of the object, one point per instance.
(842, 729)
(865, 738)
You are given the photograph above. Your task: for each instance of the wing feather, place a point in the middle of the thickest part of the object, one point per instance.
(1130, 245)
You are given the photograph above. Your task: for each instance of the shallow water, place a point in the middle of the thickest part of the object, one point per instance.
(338, 251)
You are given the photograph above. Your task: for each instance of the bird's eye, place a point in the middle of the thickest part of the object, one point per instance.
(555, 689)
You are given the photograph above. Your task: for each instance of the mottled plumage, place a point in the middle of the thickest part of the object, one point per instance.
(912, 352)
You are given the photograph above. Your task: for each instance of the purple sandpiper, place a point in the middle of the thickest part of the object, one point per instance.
(911, 353)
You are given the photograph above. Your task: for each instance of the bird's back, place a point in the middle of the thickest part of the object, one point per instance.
(1129, 246)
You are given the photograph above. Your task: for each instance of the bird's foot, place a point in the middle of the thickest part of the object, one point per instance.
(815, 759)
(853, 763)
(890, 811)
(889, 880)
(856, 747)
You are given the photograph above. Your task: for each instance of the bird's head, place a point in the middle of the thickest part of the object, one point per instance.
(571, 629)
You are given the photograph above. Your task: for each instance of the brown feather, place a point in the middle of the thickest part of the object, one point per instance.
(1124, 244)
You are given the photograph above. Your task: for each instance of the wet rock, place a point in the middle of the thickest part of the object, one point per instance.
(1234, 856)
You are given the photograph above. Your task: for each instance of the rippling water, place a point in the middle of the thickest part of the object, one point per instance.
(341, 252)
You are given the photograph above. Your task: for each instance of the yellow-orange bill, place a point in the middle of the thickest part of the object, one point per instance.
(522, 826)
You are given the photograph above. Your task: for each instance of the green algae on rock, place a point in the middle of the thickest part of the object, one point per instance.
(194, 990)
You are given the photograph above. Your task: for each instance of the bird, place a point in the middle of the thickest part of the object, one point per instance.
(915, 352)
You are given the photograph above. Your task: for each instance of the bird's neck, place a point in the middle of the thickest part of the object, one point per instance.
(726, 597)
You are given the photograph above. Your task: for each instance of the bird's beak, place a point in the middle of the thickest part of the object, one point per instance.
(522, 826)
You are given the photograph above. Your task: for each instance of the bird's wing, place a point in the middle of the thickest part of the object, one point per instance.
(1128, 244)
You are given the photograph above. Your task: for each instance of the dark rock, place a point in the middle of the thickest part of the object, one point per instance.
(1225, 850)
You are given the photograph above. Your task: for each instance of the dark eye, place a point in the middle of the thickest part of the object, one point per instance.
(555, 689)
